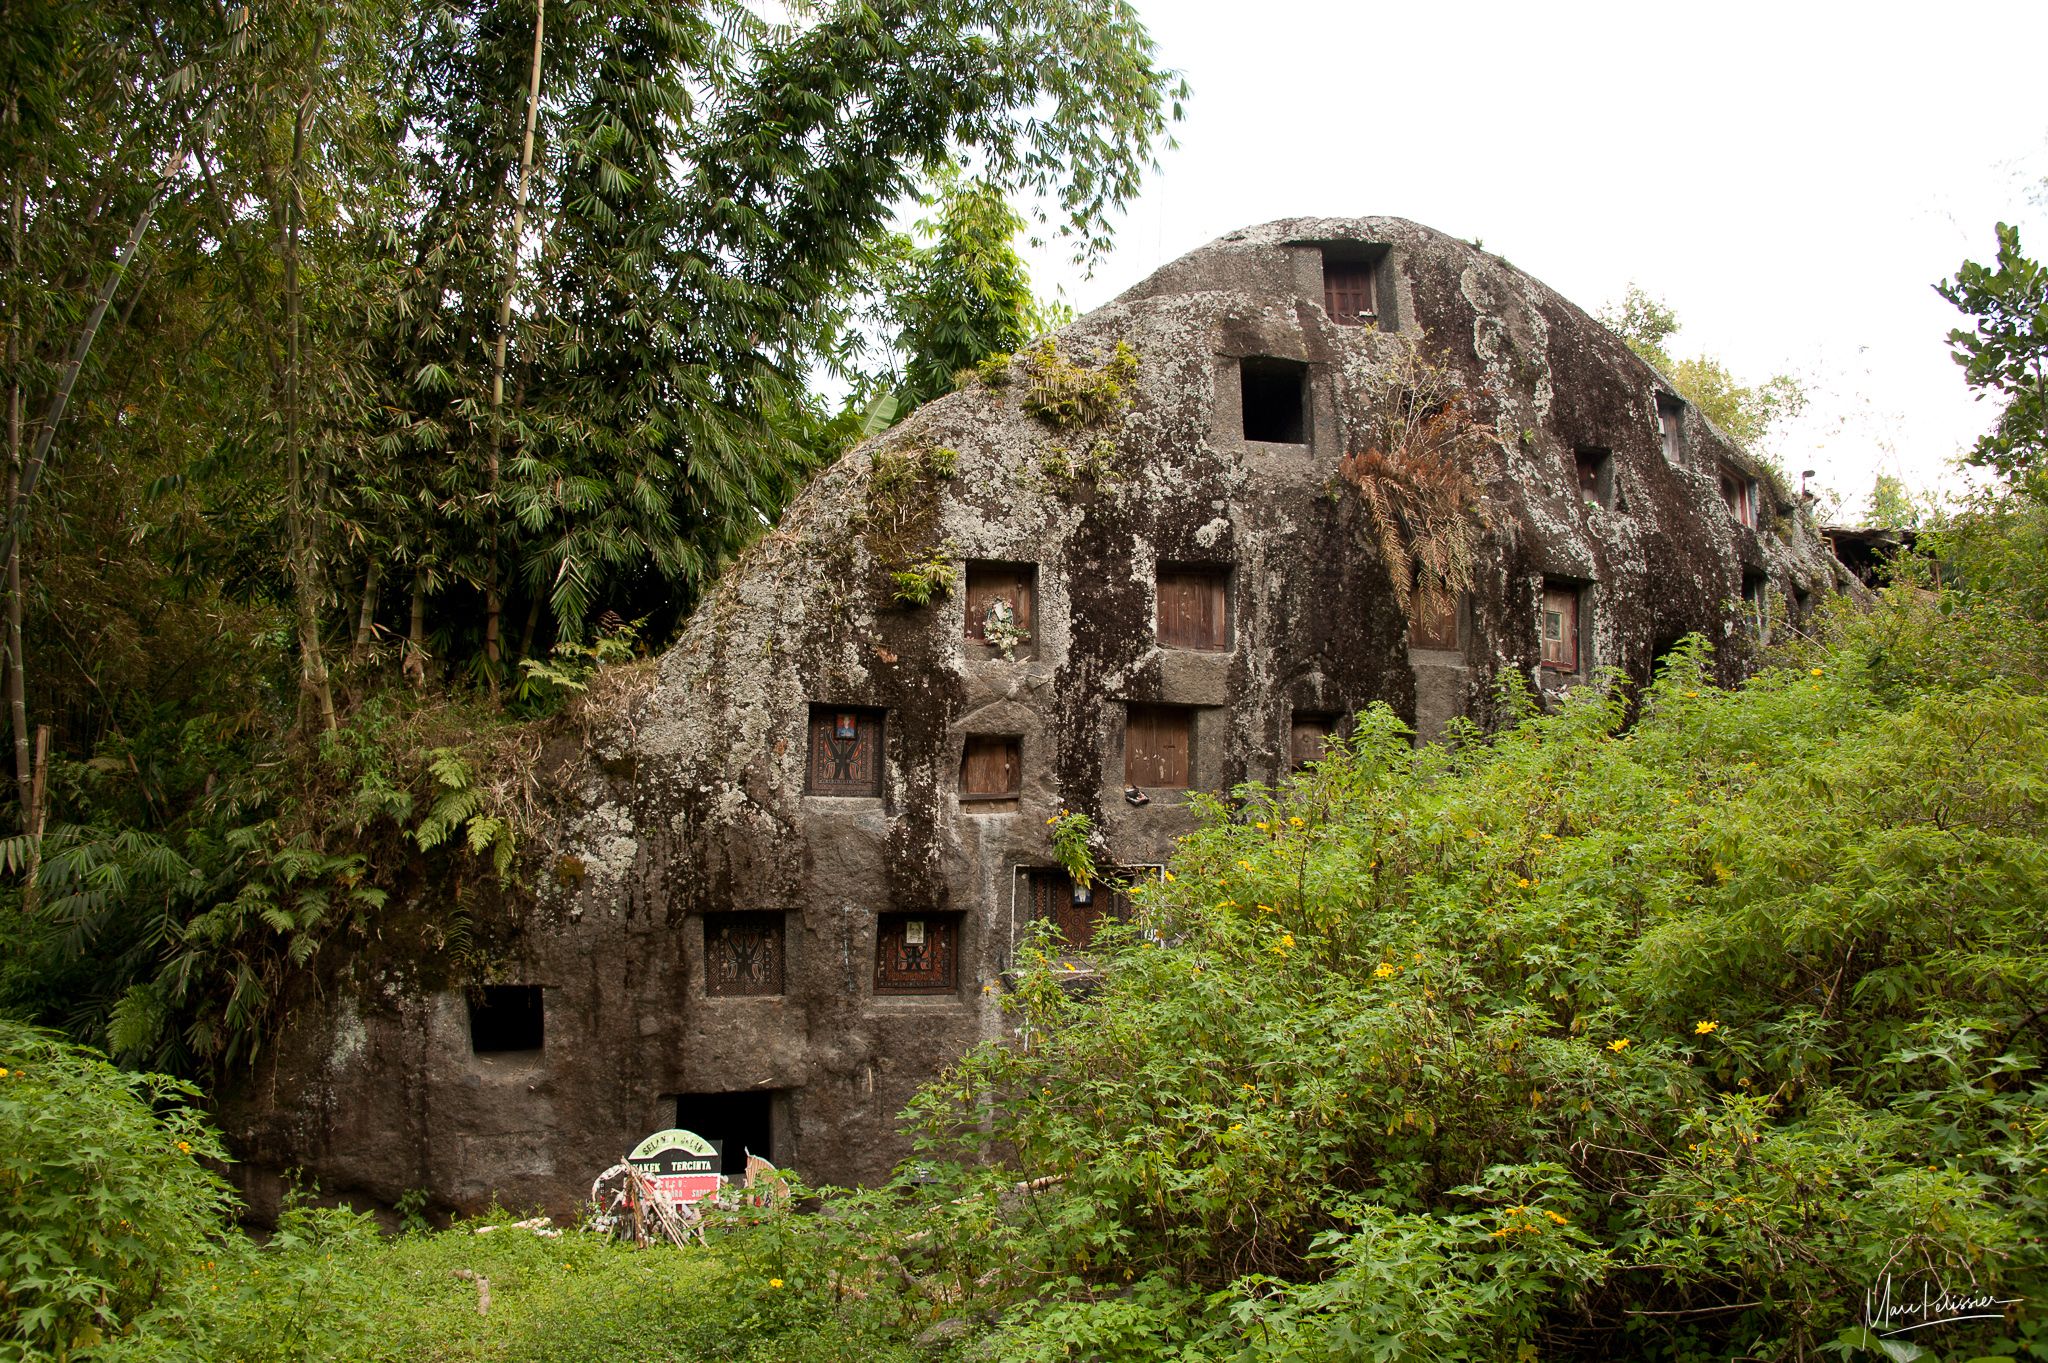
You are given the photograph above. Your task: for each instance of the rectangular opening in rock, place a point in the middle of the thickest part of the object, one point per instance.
(1275, 398)
(1015, 586)
(1596, 474)
(737, 1123)
(1756, 600)
(1433, 620)
(1309, 735)
(991, 773)
(1738, 494)
(1158, 746)
(1561, 626)
(506, 1018)
(1194, 606)
(1350, 288)
(917, 953)
(743, 954)
(845, 751)
(1671, 428)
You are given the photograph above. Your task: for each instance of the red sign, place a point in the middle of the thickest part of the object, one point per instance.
(681, 1165)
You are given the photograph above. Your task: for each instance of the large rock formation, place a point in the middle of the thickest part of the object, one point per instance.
(772, 912)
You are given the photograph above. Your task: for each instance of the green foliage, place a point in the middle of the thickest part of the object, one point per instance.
(102, 1197)
(1895, 506)
(1748, 414)
(1073, 837)
(1067, 394)
(926, 579)
(2004, 354)
(572, 666)
(1663, 1039)
(963, 295)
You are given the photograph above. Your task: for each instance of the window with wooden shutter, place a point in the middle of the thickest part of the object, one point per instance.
(1671, 428)
(1157, 743)
(846, 752)
(1076, 913)
(991, 772)
(1432, 621)
(1014, 585)
(1738, 493)
(1194, 607)
(1561, 627)
(917, 953)
(1348, 291)
(742, 954)
(1308, 737)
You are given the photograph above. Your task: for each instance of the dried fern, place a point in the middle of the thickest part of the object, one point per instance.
(1426, 511)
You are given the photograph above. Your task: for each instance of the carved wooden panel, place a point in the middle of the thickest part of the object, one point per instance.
(1052, 896)
(1194, 608)
(1157, 741)
(743, 954)
(845, 752)
(917, 953)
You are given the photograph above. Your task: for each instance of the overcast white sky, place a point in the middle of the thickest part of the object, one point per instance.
(1791, 178)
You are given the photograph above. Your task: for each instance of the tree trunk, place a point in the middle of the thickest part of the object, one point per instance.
(493, 595)
(17, 682)
(314, 685)
(416, 633)
(366, 615)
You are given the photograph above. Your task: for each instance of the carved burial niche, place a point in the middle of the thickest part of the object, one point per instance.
(739, 1124)
(991, 773)
(506, 1019)
(1432, 622)
(1308, 735)
(1560, 620)
(1194, 606)
(1595, 469)
(917, 953)
(1077, 913)
(1275, 399)
(1158, 746)
(845, 751)
(743, 954)
(1015, 587)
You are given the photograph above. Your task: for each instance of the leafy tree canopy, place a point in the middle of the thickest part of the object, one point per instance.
(1749, 414)
(2004, 353)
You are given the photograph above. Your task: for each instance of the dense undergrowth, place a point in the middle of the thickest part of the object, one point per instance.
(1664, 1027)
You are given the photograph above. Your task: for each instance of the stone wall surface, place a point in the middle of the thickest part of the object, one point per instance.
(691, 801)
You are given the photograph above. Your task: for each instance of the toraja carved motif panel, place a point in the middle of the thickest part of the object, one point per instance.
(743, 954)
(917, 953)
(845, 751)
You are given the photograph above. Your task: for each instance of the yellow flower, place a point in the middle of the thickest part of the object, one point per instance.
(1550, 837)
(1523, 882)
(1816, 672)
(1385, 970)
(3, 1073)
(775, 1282)
(1705, 1028)
(1244, 866)
(1692, 695)
(1261, 825)
(1168, 875)
(1296, 820)
(1562, 1221)
(1237, 1126)
(1246, 1087)
(1069, 965)
(184, 1147)
(1286, 939)
(1418, 958)
(1618, 1045)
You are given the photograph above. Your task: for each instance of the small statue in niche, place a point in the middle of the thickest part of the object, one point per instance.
(1000, 630)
